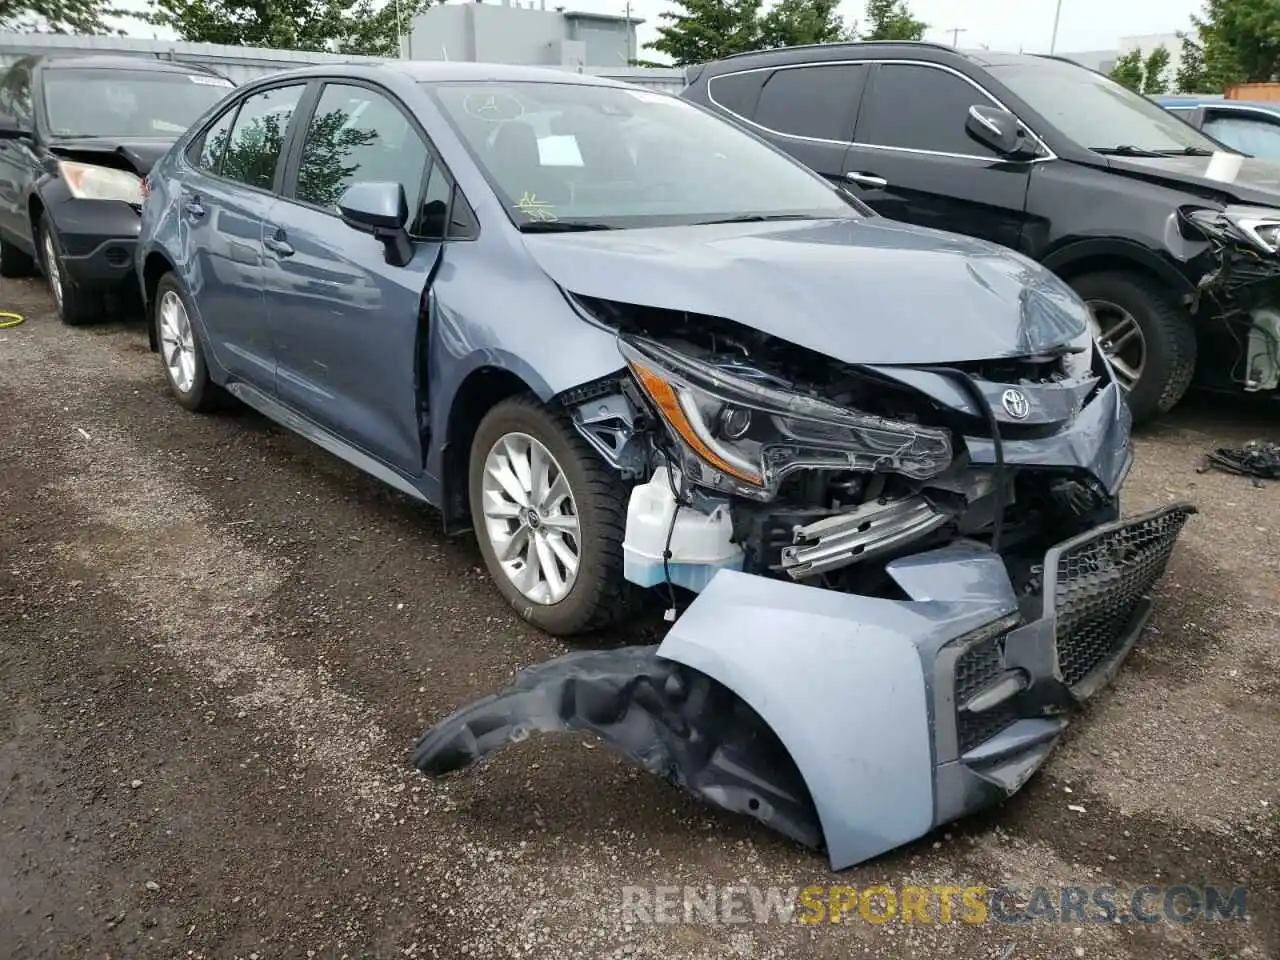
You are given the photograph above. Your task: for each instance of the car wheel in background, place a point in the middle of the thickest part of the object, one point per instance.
(549, 515)
(1146, 334)
(180, 349)
(15, 262)
(74, 306)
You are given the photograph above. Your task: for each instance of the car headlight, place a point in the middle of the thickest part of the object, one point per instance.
(1260, 225)
(739, 436)
(88, 181)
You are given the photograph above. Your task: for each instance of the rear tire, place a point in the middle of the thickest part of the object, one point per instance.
(592, 502)
(180, 349)
(75, 307)
(1167, 335)
(15, 262)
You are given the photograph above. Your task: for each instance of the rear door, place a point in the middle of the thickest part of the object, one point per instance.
(807, 110)
(236, 167)
(346, 322)
(912, 159)
(19, 166)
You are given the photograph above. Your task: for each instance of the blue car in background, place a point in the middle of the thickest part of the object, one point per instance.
(1250, 126)
(633, 346)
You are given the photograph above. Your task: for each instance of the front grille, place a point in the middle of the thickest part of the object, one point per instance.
(1096, 582)
(976, 668)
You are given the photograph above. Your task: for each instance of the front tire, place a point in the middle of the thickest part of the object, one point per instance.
(75, 307)
(1148, 337)
(180, 350)
(549, 516)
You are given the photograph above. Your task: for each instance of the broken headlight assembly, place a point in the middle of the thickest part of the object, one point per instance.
(1259, 226)
(735, 435)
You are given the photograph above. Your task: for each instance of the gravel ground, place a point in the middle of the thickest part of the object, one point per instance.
(218, 644)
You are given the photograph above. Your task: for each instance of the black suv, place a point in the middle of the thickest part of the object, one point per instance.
(1167, 234)
(77, 137)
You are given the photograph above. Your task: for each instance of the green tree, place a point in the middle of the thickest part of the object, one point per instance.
(57, 16)
(351, 26)
(892, 20)
(1154, 69)
(792, 22)
(1234, 41)
(702, 30)
(1128, 69)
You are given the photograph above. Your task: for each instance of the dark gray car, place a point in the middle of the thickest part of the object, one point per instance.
(636, 349)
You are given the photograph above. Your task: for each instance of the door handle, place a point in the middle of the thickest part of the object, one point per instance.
(867, 180)
(194, 208)
(278, 246)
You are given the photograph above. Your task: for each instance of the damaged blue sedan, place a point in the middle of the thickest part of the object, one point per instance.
(873, 469)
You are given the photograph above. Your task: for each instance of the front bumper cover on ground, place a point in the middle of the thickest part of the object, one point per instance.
(848, 721)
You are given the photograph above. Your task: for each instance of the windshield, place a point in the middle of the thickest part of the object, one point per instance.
(1096, 112)
(127, 103)
(566, 156)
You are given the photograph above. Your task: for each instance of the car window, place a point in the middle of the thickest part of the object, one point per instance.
(1252, 135)
(213, 143)
(357, 134)
(738, 92)
(1093, 110)
(620, 157)
(920, 108)
(127, 103)
(257, 136)
(817, 101)
(15, 94)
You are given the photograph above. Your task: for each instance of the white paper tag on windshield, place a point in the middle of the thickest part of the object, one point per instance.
(209, 81)
(559, 151)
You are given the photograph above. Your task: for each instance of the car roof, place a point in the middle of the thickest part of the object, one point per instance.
(448, 71)
(119, 62)
(871, 49)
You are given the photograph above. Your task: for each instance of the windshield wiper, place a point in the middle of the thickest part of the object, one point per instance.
(757, 218)
(1187, 152)
(562, 226)
(1127, 150)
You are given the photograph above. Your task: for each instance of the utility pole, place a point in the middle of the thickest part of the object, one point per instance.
(399, 31)
(630, 54)
(1053, 41)
(955, 35)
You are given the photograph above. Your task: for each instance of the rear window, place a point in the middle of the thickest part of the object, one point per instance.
(127, 103)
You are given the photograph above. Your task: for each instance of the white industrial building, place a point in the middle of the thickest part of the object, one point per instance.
(1104, 60)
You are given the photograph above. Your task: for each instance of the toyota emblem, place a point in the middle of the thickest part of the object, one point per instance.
(1015, 404)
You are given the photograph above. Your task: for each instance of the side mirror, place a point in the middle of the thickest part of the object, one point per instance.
(11, 128)
(1001, 131)
(379, 208)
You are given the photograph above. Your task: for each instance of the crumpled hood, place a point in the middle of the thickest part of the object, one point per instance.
(859, 290)
(141, 154)
(1257, 181)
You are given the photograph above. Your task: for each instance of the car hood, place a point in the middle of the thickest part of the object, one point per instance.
(860, 290)
(139, 153)
(1257, 181)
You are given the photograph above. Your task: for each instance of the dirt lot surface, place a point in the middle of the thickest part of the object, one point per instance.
(218, 644)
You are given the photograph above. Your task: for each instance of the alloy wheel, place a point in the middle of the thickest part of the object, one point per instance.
(1121, 340)
(531, 518)
(52, 271)
(177, 343)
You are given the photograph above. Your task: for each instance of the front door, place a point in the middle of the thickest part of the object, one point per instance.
(223, 205)
(912, 160)
(345, 322)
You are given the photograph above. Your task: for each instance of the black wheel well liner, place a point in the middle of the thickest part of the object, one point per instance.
(1079, 257)
(482, 390)
(155, 267)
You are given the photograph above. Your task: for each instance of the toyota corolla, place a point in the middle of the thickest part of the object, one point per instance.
(872, 469)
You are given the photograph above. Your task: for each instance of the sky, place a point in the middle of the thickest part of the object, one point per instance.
(998, 24)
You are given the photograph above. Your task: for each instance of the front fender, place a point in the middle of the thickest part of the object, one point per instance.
(840, 681)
